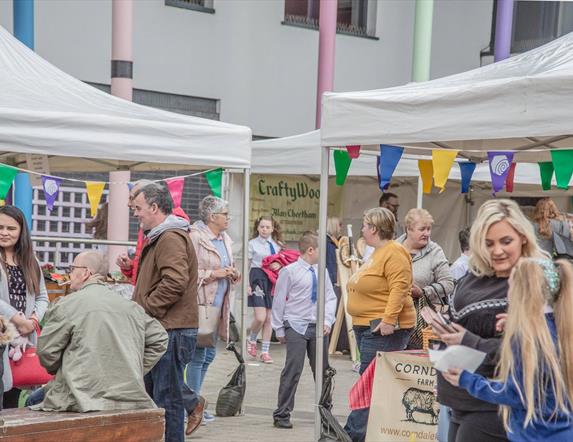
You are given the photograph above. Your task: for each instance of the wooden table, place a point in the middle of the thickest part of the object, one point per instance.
(24, 425)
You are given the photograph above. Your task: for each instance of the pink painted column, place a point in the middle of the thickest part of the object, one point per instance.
(326, 46)
(121, 86)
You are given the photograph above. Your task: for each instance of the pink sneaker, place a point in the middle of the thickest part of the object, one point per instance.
(266, 358)
(252, 348)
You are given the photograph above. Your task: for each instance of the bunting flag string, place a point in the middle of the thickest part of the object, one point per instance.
(467, 169)
(426, 169)
(5, 167)
(563, 165)
(342, 162)
(389, 159)
(442, 162)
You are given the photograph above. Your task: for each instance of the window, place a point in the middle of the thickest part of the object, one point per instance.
(535, 23)
(195, 5)
(354, 17)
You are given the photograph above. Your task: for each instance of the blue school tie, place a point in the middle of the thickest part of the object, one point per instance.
(273, 251)
(314, 285)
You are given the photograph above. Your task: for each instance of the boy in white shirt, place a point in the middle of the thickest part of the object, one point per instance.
(294, 321)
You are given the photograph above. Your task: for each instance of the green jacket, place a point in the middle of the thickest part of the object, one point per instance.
(99, 346)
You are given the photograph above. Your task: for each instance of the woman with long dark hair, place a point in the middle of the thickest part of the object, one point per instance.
(23, 294)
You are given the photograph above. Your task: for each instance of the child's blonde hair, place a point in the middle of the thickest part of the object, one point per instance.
(527, 337)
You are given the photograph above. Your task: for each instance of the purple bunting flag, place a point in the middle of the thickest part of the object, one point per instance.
(499, 167)
(51, 189)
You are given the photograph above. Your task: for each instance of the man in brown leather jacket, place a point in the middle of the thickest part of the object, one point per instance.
(166, 288)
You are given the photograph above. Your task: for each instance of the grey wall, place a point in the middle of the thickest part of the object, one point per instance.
(263, 72)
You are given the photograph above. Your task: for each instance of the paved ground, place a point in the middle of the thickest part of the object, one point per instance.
(262, 387)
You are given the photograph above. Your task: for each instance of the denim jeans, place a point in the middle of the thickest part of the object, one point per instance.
(197, 369)
(443, 424)
(36, 397)
(165, 383)
(369, 344)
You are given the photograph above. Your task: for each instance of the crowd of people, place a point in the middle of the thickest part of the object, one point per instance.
(505, 295)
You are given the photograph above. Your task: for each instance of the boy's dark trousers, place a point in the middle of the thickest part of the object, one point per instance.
(297, 346)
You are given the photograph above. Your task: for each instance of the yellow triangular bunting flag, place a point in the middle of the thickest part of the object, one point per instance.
(95, 190)
(426, 172)
(442, 161)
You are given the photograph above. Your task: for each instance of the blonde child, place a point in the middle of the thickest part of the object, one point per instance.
(535, 371)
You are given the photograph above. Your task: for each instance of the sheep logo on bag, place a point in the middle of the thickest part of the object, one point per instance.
(420, 401)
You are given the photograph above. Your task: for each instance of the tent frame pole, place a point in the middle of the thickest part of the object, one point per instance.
(245, 257)
(320, 304)
(420, 193)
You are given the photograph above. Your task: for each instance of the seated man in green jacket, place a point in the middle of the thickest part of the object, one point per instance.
(98, 345)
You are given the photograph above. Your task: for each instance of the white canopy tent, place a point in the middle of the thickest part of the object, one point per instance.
(46, 111)
(522, 104)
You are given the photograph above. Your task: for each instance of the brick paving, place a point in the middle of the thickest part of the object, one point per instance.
(262, 387)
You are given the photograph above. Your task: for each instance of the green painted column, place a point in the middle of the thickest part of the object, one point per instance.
(421, 57)
(422, 40)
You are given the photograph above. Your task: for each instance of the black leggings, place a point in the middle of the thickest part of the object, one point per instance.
(478, 426)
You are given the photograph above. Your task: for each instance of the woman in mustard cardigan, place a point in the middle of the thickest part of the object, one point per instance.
(380, 290)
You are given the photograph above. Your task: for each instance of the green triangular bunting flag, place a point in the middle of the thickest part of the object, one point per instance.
(546, 171)
(215, 180)
(7, 175)
(342, 163)
(563, 164)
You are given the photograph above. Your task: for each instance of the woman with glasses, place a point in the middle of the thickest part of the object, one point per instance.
(433, 281)
(23, 294)
(217, 273)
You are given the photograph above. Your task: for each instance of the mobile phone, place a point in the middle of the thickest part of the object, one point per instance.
(373, 324)
(436, 344)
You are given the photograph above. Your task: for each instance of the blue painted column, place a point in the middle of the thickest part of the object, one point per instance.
(24, 31)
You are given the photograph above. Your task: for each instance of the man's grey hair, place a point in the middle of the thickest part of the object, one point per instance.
(211, 205)
(139, 184)
(156, 193)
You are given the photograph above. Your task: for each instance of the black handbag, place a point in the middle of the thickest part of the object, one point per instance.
(230, 399)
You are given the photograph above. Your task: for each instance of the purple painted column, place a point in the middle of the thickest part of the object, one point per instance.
(503, 27)
(326, 44)
(121, 86)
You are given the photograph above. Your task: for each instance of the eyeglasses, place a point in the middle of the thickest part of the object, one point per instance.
(225, 214)
(73, 267)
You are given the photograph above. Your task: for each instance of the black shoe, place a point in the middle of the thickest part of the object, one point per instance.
(283, 423)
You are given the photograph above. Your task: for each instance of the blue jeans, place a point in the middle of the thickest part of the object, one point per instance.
(36, 397)
(369, 345)
(197, 369)
(443, 424)
(165, 383)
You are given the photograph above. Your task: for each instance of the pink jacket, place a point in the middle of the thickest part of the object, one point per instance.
(208, 260)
